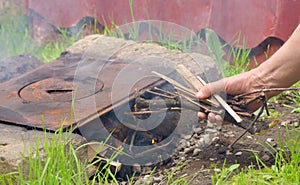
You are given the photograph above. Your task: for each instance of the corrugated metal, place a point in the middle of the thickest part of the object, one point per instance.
(254, 19)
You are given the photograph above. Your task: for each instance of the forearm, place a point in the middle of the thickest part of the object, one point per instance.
(283, 68)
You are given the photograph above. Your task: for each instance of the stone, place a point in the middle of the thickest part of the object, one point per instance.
(212, 159)
(110, 48)
(296, 124)
(198, 130)
(265, 157)
(210, 130)
(207, 138)
(137, 168)
(158, 178)
(285, 123)
(210, 124)
(215, 139)
(188, 150)
(187, 137)
(238, 153)
(98, 46)
(14, 66)
(228, 152)
(196, 152)
(249, 137)
(271, 141)
(147, 180)
(16, 141)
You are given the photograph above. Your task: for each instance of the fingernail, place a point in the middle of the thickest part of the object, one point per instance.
(199, 94)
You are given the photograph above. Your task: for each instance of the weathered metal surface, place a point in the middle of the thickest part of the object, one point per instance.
(44, 97)
(254, 19)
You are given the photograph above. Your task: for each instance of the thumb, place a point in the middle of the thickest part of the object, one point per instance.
(211, 88)
(204, 92)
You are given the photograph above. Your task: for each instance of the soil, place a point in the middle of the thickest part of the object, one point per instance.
(200, 168)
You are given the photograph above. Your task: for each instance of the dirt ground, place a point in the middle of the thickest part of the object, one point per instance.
(242, 152)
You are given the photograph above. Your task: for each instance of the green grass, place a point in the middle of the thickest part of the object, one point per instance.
(222, 175)
(15, 39)
(285, 170)
(58, 165)
(294, 97)
(53, 50)
(237, 59)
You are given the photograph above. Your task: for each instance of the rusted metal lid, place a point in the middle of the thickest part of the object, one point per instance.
(55, 90)
(46, 96)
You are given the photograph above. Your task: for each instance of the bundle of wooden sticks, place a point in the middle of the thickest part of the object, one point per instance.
(233, 110)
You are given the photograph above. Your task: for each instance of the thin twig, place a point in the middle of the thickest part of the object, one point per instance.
(132, 140)
(160, 94)
(265, 90)
(251, 125)
(165, 91)
(206, 110)
(152, 111)
(181, 87)
(206, 101)
(245, 114)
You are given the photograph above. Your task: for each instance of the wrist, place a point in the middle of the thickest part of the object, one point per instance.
(263, 78)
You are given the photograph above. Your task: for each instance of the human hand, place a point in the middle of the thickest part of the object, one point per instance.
(238, 84)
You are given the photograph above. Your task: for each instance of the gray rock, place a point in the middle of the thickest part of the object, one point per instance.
(182, 158)
(16, 141)
(210, 130)
(285, 123)
(212, 159)
(265, 157)
(207, 138)
(196, 152)
(271, 141)
(123, 183)
(147, 180)
(14, 66)
(296, 124)
(187, 137)
(198, 130)
(158, 178)
(215, 139)
(137, 168)
(98, 46)
(238, 153)
(188, 150)
(228, 152)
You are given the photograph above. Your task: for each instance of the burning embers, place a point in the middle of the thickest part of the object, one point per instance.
(148, 133)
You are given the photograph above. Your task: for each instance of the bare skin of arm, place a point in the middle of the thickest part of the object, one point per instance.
(282, 69)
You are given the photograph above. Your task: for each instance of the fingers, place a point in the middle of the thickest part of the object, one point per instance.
(202, 115)
(211, 117)
(205, 93)
(214, 118)
(211, 88)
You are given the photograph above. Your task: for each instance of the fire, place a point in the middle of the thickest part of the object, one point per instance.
(156, 140)
(153, 141)
(125, 139)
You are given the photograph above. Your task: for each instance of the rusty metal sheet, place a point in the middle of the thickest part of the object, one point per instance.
(254, 19)
(43, 97)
